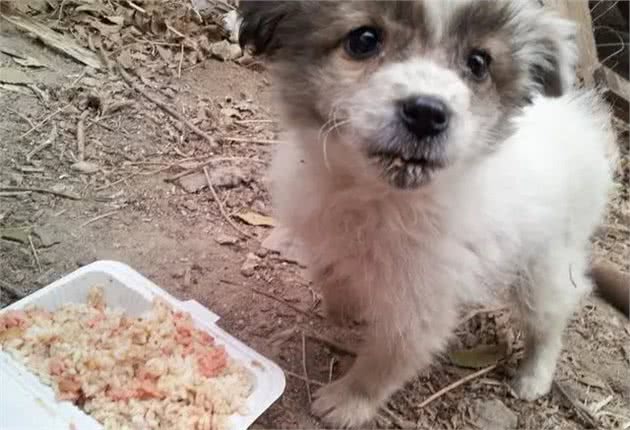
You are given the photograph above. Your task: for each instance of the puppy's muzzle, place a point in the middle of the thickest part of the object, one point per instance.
(424, 116)
(415, 146)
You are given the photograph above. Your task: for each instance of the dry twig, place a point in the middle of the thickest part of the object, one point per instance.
(105, 58)
(306, 380)
(136, 7)
(181, 62)
(301, 378)
(78, 78)
(42, 122)
(284, 302)
(34, 251)
(172, 112)
(42, 191)
(51, 138)
(175, 31)
(582, 412)
(21, 115)
(132, 175)
(220, 204)
(14, 193)
(105, 215)
(81, 135)
(398, 420)
(253, 121)
(332, 344)
(250, 140)
(206, 163)
(456, 384)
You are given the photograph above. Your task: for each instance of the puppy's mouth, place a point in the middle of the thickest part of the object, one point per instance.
(406, 172)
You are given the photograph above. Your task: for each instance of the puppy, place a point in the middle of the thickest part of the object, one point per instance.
(435, 152)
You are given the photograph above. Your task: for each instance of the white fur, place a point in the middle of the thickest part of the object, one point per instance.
(518, 217)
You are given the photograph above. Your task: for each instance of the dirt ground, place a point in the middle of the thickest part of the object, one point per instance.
(114, 201)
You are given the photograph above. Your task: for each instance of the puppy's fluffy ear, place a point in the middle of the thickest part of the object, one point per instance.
(262, 23)
(554, 59)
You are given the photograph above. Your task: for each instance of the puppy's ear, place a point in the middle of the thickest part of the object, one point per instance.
(553, 68)
(262, 23)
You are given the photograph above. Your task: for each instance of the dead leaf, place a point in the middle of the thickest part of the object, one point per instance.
(281, 240)
(14, 76)
(478, 357)
(591, 379)
(253, 218)
(166, 54)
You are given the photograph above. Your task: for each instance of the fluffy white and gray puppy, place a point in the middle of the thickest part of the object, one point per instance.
(436, 152)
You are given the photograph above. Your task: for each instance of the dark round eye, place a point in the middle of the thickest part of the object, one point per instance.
(363, 42)
(478, 62)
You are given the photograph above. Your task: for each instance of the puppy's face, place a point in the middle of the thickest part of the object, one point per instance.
(412, 87)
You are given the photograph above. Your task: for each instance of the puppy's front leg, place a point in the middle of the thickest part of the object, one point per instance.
(396, 350)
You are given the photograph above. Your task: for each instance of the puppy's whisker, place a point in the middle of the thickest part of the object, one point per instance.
(330, 125)
(335, 125)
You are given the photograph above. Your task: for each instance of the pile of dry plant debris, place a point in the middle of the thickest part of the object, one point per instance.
(127, 46)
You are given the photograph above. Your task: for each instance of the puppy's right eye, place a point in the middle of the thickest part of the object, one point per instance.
(363, 42)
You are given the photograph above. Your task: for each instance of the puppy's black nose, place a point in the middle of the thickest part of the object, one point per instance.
(424, 116)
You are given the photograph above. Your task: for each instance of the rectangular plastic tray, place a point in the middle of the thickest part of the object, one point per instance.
(28, 404)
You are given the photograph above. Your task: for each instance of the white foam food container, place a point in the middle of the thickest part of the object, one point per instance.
(28, 404)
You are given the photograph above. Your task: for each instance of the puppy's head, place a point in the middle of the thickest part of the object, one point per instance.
(412, 87)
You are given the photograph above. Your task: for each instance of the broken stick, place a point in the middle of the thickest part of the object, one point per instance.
(42, 191)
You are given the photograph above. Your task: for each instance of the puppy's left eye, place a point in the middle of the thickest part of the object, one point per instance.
(478, 63)
(363, 42)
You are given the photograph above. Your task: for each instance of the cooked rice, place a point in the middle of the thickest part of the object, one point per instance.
(155, 372)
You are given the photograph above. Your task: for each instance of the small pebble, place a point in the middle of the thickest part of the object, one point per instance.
(249, 266)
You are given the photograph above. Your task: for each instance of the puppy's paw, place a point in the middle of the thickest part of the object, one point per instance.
(530, 387)
(339, 406)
